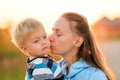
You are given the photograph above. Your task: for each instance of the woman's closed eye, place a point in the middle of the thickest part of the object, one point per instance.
(58, 34)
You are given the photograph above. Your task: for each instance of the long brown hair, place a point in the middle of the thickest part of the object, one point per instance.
(88, 50)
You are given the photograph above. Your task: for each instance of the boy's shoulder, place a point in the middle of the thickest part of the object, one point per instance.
(61, 63)
(46, 61)
(37, 65)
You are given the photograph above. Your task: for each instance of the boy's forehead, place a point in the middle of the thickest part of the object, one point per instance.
(37, 34)
(38, 30)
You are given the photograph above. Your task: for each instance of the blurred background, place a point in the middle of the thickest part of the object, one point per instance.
(103, 17)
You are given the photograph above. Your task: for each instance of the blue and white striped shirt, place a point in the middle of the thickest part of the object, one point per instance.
(43, 68)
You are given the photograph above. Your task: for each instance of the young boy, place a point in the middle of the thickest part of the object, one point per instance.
(30, 37)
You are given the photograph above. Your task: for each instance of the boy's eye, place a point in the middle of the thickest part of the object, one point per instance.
(44, 37)
(36, 41)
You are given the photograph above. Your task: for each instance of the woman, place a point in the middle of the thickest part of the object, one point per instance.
(73, 40)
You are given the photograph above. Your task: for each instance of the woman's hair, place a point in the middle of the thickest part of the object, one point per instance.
(88, 50)
(23, 29)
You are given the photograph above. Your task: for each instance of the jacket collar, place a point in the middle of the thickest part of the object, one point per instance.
(76, 68)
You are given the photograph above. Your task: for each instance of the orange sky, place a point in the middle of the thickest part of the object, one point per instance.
(47, 11)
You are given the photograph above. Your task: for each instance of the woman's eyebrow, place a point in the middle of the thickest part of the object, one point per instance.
(56, 30)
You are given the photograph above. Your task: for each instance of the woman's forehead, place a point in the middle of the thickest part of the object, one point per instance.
(61, 24)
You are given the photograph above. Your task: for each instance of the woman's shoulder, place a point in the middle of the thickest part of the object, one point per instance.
(90, 72)
(97, 74)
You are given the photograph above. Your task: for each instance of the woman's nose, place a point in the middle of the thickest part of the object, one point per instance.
(51, 38)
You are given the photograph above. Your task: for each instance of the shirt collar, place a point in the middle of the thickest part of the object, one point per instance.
(76, 67)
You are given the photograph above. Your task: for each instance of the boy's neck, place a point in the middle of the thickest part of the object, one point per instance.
(32, 57)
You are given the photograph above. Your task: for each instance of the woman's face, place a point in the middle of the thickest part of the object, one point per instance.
(62, 38)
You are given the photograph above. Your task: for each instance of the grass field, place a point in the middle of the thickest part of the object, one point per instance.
(12, 67)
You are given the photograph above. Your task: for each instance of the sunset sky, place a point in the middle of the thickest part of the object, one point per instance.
(47, 11)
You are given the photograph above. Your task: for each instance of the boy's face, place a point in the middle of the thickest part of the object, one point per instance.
(37, 44)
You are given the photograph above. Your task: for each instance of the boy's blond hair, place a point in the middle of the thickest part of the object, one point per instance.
(23, 29)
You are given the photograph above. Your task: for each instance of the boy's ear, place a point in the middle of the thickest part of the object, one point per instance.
(78, 41)
(24, 50)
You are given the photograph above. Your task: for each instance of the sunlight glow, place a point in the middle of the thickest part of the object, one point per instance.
(48, 11)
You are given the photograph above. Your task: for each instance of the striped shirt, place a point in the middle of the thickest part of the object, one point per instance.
(43, 68)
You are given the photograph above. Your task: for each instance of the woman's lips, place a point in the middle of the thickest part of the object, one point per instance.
(51, 47)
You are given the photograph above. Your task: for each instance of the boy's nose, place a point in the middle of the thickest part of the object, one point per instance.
(43, 41)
